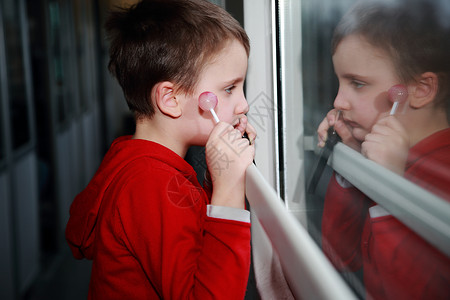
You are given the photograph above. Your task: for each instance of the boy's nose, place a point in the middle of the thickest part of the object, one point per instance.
(340, 102)
(242, 107)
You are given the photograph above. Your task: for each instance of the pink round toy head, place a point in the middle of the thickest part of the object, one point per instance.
(207, 101)
(398, 93)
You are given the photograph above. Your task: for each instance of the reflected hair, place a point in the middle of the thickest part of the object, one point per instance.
(414, 33)
(166, 40)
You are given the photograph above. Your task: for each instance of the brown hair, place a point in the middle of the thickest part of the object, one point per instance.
(166, 40)
(414, 33)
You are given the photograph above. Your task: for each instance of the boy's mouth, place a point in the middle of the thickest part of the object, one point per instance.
(350, 123)
(240, 123)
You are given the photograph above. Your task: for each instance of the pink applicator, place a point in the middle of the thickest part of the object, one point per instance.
(397, 94)
(208, 101)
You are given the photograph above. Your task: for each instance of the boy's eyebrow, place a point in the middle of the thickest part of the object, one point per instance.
(234, 80)
(353, 76)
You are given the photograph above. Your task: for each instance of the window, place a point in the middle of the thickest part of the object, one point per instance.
(17, 90)
(62, 65)
(399, 204)
(305, 88)
(85, 41)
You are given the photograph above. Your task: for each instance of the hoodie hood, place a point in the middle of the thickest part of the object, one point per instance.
(80, 229)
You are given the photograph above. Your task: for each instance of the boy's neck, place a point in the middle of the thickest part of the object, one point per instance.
(153, 131)
(425, 123)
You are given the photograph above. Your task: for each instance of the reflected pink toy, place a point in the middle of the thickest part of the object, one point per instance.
(397, 94)
(208, 101)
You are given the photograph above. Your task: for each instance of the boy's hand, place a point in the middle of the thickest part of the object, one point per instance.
(387, 144)
(228, 155)
(341, 129)
(245, 128)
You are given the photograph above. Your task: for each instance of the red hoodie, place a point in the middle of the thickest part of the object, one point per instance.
(142, 220)
(396, 262)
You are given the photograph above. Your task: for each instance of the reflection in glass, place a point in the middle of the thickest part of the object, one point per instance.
(319, 17)
(320, 86)
(356, 233)
(18, 105)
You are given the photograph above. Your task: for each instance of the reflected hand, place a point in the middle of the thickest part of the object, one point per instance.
(387, 144)
(333, 120)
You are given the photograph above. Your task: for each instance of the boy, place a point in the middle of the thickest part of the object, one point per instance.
(375, 46)
(145, 221)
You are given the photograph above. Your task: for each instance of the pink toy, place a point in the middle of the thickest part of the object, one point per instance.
(397, 94)
(208, 101)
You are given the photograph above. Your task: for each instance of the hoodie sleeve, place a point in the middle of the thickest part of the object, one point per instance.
(185, 254)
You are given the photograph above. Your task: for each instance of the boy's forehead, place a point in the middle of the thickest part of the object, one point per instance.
(355, 57)
(230, 47)
(231, 59)
(357, 47)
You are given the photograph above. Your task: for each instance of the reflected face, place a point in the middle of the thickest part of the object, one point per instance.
(224, 76)
(365, 74)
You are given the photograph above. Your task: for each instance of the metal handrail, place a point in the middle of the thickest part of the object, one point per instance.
(310, 274)
(422, 211)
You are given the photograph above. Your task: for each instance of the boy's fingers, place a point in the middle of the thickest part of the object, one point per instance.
(331, 117)
(346, 135)
(323, 129)
(221, 128)
(343, 131)
(242, 124)
(251, 133)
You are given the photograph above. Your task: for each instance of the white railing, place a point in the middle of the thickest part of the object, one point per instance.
(423, 212)
(309, 273)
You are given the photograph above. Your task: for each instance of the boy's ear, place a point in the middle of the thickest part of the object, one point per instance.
(165, 100)
(424, 91)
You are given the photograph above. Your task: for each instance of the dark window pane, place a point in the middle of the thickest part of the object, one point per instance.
(18, 105)
(2, 133)
(60, 56)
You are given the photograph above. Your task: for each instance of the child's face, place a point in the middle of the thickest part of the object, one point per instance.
(365, 75)
(224, 76)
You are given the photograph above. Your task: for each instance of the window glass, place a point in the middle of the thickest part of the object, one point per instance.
(80, 23)
(2, 133)
(18, 105)
(60, 62)
(374, 251)
(319, 89)
(320, 86)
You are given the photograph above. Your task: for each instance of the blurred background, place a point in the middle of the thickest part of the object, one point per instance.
(59, 111)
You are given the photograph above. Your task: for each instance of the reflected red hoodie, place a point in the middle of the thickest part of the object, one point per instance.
(397, 263)
(142, 220)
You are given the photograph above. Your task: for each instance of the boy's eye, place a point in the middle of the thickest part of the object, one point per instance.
(229, 89)
(358, 84)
